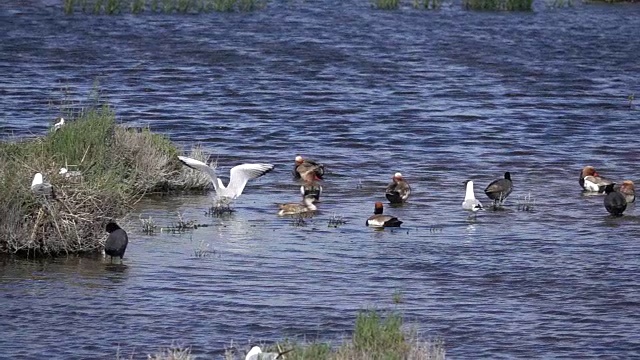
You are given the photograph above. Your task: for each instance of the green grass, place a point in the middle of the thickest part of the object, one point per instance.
(118, 166)
(386, 4)
(498, 5)
(374, 337)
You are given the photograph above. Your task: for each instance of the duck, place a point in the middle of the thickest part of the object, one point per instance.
(238, 178)
(306, 206)
(312, 188)
(256, 354)
(627, 188)
(379, 220)
(116, 243)
(499, 189)
(307, 170)
(590, 180)
(398, 191)
(614, 202)
(41, 188)
(470, 202)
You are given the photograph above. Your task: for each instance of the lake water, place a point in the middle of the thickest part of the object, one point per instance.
(442, 96)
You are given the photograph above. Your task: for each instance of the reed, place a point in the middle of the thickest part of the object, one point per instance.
(498, 5)
(68, 6)
(118, 167)
(374, 337)
(427, 4)
(112, 7)
(137, 6)
(386, 4)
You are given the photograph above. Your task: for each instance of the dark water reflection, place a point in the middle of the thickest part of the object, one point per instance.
(441, 96)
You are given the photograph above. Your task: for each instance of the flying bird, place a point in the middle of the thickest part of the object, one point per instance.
(117, 241)
(379, 220)
(470, 202)
(239, 175)
(398, 190)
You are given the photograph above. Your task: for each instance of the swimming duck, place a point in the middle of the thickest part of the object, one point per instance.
(398, 190)
(307, 170)
(470, 202)
(311, 188)
(306, 206)
(627, 189)
(117, 241)
(379, 220)
(591, 181)
(614, 202)
(499, 189)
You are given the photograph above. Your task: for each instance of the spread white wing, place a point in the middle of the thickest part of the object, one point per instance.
(241, 174)
(199, 165)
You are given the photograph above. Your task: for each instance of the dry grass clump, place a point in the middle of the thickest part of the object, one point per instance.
(118, 167)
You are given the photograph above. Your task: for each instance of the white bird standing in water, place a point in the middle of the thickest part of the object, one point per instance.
(58, 125)
(239, 175)
(470, 202)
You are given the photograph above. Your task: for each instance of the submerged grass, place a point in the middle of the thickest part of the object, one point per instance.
(498, 5)
(113, 7)
(118, 166)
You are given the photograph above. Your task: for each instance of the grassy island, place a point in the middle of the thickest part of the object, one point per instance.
(111, 167)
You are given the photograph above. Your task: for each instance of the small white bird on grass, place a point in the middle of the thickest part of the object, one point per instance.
(470, 202)
(256, 354)
(41, 188)
(239, 175)
(58, 125)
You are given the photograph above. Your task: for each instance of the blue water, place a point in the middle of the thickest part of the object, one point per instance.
(442, 96)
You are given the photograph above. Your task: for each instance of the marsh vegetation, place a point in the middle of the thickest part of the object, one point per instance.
(118, 166)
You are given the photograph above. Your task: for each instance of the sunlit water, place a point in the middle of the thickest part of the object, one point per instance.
(442, 96)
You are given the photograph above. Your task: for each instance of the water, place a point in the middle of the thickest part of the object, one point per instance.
(441, 96)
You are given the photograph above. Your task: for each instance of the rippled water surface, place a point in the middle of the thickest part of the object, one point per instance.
(442, 96)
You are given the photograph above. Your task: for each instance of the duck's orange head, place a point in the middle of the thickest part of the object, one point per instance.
(589, 171)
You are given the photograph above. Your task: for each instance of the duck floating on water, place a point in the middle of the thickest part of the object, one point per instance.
(591, 181)
(398, 191)
(305, 207)
(307, 170)
(627, 189)
(379, 220)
